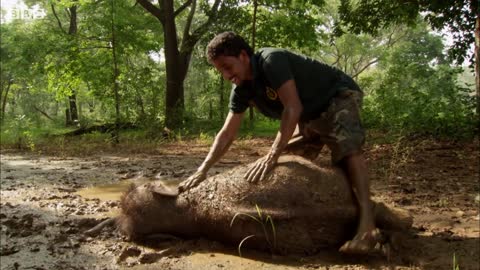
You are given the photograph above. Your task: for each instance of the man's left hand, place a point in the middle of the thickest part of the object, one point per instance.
(261, 168)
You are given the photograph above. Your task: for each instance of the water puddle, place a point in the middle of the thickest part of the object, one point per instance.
(219, 260)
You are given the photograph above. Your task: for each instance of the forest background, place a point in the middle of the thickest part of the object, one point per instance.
(135, 71)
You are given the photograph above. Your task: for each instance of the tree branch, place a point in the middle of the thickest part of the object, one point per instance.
(337, 55)
(212, 14)
(189, 42)
(188, 24)
(58, 20)
(155, 11)
(68, 13)
(182, 7)
(42, 112)
(365, 67)
(99, 47)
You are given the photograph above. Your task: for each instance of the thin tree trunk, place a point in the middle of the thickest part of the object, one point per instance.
(222, 98)
(68, 117)
(210, 110)
(72, 118)
(4, 102)
(115, 133)
(72, 30)
(477, 58)
(140, 104)
(72, 101)
(254, 32)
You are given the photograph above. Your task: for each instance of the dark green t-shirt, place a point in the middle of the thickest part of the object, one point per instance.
(316, 83)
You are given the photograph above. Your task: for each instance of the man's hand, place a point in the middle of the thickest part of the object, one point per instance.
(192, 181)
(261, 168)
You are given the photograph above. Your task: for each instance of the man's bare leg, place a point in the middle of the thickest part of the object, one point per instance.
(367, 234)
(304, 146)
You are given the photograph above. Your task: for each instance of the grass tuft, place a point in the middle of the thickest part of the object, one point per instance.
(264, 221)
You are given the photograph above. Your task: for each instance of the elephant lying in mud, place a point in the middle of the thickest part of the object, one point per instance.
(299, 208)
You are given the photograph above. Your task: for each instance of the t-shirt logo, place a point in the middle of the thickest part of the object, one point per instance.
(271, 94)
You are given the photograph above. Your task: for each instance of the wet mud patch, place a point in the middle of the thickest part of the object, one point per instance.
(43, 214)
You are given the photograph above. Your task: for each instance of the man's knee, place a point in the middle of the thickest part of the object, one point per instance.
(304, 147)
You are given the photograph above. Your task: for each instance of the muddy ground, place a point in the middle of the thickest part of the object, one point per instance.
(48, 200)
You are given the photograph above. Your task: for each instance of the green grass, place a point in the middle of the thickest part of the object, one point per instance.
(21, 133)
(456, 266)
(264, 221)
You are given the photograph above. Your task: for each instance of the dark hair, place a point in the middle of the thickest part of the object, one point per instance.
(227, 44)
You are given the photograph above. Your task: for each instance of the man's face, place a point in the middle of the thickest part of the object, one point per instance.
(235, 69)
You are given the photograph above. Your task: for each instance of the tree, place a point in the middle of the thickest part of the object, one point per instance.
(71, 12)
(22, 81)
(102, 61)
(415, 90)
(459, 17)
(178, 52)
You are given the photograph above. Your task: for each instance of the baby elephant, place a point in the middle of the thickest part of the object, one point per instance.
(299, 208)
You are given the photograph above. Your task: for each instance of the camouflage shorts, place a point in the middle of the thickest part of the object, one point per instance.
(340, 128)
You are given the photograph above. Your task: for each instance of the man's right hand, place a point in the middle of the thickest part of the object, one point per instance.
(192, 181)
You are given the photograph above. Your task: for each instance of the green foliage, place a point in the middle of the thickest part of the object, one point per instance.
(458, 17)
(263, 127)
(409, 86)
(288, 27)
(19, 132)
(413, 91)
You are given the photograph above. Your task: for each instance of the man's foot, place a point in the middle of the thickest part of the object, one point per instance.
(365, 243)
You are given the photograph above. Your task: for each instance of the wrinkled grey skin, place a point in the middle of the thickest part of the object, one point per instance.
(299, 208)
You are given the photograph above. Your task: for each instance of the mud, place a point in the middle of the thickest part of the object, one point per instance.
(48, 200)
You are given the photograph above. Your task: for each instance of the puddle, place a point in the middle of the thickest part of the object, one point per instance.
(217, 260)
(113, 192)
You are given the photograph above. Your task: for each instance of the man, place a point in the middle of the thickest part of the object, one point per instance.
(320, 101)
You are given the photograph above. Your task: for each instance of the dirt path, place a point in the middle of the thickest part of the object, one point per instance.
(47, 201)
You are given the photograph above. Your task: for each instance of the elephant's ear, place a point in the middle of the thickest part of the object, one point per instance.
(158, 188)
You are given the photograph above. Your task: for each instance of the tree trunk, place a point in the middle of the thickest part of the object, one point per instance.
(141, 106)
(177, 60)
(115, 132)
(72, 101)
(4, 101)
(477, 59)
(173, 67)
(68, 117)
(210, 110)
(72, 31)
(254, 32)
(222, 98)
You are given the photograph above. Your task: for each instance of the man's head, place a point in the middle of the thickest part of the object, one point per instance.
(230, 55)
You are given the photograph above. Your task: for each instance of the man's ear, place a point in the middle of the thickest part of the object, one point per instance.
(244, 55)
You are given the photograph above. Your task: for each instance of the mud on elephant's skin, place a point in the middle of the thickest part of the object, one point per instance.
(310, 208)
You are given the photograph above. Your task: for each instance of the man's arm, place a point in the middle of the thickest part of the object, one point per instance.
(222, 142)
(292, 109)
(290, 116)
